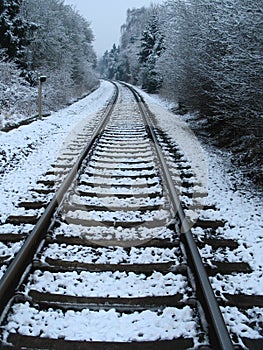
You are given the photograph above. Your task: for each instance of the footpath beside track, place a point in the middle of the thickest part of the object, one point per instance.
(109, 260)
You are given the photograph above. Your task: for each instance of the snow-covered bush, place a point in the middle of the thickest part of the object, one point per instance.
(17, 99)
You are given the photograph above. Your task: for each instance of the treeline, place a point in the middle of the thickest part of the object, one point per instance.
(207, 56)
(43, 37)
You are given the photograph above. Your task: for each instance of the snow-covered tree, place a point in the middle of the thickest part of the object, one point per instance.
(61, 48)
(180, 63)
(213, 64)
(151, 48)
(114, 65)
(239, 31)
(213, 53)
(141, 44)
(13, 29)
(43, 38)
(110, 63)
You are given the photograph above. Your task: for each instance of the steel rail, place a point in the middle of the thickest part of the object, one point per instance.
(219, 337)
(14, 273)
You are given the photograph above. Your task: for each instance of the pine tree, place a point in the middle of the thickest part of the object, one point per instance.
(13, 29)
(110, 64)
(151, 48)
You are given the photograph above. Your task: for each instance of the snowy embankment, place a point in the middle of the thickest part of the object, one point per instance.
(27, 152)
(237, 204)
(240, 206)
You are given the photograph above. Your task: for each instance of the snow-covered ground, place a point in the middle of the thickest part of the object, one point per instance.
(240, 206)
(138, 326)
(27, 153)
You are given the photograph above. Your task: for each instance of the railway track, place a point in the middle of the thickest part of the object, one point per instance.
(110, 262)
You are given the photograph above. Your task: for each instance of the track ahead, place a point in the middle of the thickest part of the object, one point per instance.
(116, 217)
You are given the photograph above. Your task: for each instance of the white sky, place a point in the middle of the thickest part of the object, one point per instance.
(106, 18)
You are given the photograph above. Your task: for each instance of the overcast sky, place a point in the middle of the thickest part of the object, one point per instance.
(106, 18)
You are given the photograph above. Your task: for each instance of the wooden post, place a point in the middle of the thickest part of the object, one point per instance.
(41, 80)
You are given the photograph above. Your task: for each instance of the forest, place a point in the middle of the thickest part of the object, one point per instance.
(206, 57)
(203, 56)
(43, 38)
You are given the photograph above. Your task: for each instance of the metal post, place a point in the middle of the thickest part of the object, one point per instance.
(41, 80)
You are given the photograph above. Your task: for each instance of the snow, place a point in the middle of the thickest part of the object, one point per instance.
(2, 270)
(231, 314)
(237, 203)
(118, 216)
(108, 255)
(107, 284)
(10, 249)
(15, 229)
(243, 211)
(120, 181)
(102, 232)
(121, 173)
(39, 144)
(111, 203)
(103, 325)
(120, 165)
(157, 189)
